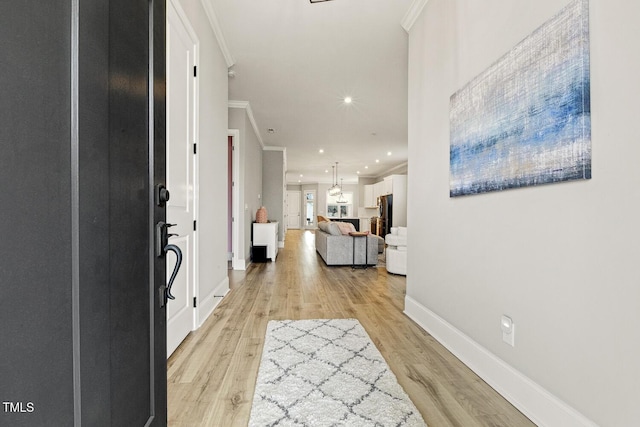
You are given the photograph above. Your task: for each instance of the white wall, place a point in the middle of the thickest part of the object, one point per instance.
(562, 259)
(250, 185)
(273, 193)
(212, 161)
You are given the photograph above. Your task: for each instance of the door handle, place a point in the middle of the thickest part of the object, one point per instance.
(176, 250)
(162, 247)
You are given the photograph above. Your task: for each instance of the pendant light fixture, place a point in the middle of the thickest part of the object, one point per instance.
(335, 188)
(341, 198)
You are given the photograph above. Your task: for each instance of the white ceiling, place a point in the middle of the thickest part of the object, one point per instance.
(296, 61)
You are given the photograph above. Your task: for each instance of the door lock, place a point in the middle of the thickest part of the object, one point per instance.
(162, 195)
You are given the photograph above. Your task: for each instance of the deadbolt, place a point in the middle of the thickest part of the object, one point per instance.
(162, 195)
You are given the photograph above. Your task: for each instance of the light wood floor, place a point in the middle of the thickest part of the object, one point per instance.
(211, 376)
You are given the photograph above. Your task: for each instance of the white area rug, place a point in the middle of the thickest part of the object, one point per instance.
(327, 372)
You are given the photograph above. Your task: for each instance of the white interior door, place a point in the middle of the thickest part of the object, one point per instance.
(180, 173)
(293, 209)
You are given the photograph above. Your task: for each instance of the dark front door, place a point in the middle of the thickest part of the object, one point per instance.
(82, 129)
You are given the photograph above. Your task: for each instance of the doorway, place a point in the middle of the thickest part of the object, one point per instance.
(233, 207)
(310, 209)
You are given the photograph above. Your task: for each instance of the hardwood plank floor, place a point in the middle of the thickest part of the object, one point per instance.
(211, 376)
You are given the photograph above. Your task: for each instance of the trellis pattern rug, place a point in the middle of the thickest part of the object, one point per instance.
(327, 372)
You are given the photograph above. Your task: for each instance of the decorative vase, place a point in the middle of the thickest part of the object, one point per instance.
(261, 215)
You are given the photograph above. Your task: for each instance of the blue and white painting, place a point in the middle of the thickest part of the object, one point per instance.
(526, 119)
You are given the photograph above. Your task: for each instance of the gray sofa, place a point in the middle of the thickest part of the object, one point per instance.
(337, 249)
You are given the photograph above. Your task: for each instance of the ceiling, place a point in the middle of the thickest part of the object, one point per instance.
(295, 62)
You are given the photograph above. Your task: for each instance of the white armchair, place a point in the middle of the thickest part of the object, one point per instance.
(396, 258)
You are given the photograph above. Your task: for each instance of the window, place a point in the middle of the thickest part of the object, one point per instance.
(340, 206)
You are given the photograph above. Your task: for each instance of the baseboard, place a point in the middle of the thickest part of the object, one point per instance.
(209, 302)
(241, 265)
(540, 406)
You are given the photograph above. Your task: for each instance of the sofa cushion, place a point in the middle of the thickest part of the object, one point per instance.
(330, 227)
(399, 231)
(396, 240)
(324, 226)
(345, 227)
(334, 229)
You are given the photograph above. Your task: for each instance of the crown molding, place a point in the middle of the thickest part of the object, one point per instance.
(274, 148)
(388, 171)
(301, 184)
(412, 14)
(238, 104)
(182, 15)
(217, 30)
(247, 107)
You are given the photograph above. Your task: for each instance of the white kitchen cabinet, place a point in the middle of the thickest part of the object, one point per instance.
(378, 190)
(388, 184)
(266, 234)
(370, 200)
(395, 184)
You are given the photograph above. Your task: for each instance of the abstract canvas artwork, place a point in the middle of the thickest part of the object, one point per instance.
(526, 119)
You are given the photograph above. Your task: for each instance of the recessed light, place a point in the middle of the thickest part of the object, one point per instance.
(358, 172)
(321, 151)
(377, 161)
(348, 100)
(271, 130)
(301, 175)
(299, 181)
(366, 167)
(326, 171)
(388, 153)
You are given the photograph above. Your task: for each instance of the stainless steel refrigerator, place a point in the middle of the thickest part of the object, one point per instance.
(385, 204)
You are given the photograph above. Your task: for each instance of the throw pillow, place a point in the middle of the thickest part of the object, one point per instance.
(322, 218)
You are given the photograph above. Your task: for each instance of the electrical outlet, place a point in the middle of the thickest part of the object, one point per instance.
(508, 330)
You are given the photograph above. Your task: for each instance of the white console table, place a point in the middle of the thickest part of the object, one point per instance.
(266, 234)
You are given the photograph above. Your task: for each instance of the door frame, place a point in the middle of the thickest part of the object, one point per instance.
(195, 203)
(236, 264)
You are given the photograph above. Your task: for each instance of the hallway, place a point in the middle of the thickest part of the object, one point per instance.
(211, 376)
